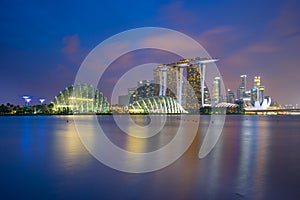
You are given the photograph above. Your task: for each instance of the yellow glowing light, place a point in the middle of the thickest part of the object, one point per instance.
(80, 99)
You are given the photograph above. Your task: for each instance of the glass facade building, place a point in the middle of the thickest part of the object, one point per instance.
(157, 104)
(80, 98)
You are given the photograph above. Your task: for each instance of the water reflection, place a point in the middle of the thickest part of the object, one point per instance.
(254, 131)
(261, 159)
(67, 142)
(26, 136)
(255, 158)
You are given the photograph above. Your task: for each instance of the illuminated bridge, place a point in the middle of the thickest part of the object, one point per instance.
(278, 111)
(158, 104)
(80, 99)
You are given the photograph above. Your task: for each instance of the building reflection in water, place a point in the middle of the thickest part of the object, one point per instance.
(261, 159)
(34, 135)
(64, 147)
(26, 136)
(252, 160)
(255, 158)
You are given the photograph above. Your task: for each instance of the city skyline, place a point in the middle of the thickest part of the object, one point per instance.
(193, 79)
(165, 83)
(43, 45)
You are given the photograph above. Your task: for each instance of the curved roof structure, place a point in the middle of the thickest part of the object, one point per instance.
(80, 99)
(157, 104)
(226, 105)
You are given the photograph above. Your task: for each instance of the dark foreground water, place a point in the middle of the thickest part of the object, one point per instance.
(257, 157)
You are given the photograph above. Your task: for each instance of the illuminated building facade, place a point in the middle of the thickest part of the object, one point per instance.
(157, 104)
(258, 99)
(145, 89)
(257, 93)
(230, 96)
(261, 95)
(242, 88)
(193, 78)
(80, 98)
(256, 82)
(216, 91)
(171, 76)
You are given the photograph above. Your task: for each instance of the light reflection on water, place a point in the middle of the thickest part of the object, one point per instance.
(255, 158)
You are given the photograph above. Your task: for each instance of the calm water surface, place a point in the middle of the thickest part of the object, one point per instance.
(257, 157)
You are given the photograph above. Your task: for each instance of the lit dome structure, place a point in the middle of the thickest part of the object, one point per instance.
(226, 105)
(157, 104)
(80, 98)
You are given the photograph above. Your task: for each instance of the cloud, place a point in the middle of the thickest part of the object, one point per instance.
(71, 45)
(176, 14)
(174, 42)
(217, 31)
(217, 39)
(262, 48)
(72, 49)
(286, 24)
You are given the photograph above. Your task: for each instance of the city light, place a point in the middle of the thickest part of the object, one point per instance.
(25, 97)
(27, 100)
(42, 100)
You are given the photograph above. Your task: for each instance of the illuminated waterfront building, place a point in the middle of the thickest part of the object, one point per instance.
(207, 100)
(216, 91)
(157, 104)
(145, 89)
(242, 88)
(257, 93)
(230, 96)
(253, 95)
(80, 98)
(258, 99)
(171, 76)
(256, 82)
(261, 96)
(247, 98)
(193, 78)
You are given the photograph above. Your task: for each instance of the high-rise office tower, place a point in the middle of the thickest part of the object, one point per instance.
(230, 96)
(242, 88)
(257, 93)
(216, 93)
(256, 82)
(261, 94)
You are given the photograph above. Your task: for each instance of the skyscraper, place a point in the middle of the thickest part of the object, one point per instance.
(257, 93)
(256, 82)
(216, 93)
(261, 94)
(171, 76)
(193, 78)
(242, 88)
(145, 89)
(230, 96)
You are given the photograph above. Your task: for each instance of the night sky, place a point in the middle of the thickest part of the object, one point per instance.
(42, 44)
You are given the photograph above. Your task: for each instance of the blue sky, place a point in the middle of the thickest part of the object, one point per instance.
(42, 44)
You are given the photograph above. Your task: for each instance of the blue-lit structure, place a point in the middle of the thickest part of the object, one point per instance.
(27, 100)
